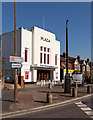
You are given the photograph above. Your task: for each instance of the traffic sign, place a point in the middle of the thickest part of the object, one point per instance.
(16, 59)
(16, 65)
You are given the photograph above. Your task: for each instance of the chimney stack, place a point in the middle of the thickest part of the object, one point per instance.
(78, 57)
(64, 54)
(88, 60)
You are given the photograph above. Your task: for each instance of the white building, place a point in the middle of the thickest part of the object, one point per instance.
(41, 53)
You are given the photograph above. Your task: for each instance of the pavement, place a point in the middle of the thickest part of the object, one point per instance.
(33, 96)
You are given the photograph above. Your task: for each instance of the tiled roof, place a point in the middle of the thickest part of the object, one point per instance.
(71, 59)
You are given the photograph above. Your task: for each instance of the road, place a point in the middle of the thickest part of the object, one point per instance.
(69, 110)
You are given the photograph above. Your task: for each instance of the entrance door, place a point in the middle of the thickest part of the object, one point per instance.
(43, 75)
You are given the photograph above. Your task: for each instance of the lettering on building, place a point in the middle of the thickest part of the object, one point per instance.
(45, 39)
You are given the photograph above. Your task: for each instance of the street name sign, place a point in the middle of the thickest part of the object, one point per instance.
(16, 65)
(16, 59)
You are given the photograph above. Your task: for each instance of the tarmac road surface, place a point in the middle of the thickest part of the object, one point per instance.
(77, 109)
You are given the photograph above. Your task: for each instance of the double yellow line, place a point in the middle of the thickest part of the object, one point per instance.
(23, 112)
(6, 115)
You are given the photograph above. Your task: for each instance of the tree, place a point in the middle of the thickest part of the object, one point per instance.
(87, 74)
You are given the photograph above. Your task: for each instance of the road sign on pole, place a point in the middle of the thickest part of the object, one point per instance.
(16, 65)
(16, 59)
(15, 45)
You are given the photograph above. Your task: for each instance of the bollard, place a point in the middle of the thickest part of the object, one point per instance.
(76, 85)
(50, 86)
(49, 98)
(41, 82)
(44, 82)
(89, 89)
(22, 81)
(74, 92)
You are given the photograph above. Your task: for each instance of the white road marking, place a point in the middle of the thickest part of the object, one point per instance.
(91, 117)
(79, 103)
(82, 105)
(89, 112)
(85, 108)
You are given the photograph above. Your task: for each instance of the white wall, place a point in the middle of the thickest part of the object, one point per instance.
(32, 41)
(54, 46)
(26, 42)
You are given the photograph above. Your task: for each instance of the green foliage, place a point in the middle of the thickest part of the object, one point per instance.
(92, 78)
(87, 74)
(5, 88)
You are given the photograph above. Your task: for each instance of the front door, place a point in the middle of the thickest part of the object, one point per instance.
(43, 75)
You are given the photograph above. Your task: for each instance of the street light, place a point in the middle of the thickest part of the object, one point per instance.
(67, 76)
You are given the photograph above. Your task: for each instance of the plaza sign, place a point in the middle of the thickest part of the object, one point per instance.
(16, 59)
(45, 39)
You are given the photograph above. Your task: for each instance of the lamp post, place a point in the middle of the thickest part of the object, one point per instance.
(67, 76)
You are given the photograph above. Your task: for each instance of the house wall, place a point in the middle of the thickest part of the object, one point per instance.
(8, 50)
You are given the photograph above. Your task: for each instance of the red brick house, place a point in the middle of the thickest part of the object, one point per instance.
(75, 64)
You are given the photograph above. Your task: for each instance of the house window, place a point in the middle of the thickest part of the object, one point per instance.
(44, 58)
(40, 57)
(26, 75)
(48, 50)
(56, 59)
(41, 48)
(25, 55)
(75, 66)
(83, 68)
(47, 58)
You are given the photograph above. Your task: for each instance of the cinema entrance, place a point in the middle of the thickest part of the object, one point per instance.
(44, 75)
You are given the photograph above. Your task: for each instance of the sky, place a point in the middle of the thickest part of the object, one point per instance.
(54, 16)
(92, 31)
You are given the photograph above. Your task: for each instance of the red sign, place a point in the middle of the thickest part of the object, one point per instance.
(26, 75)
(16, 59)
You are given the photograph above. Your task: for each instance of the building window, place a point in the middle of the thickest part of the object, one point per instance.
(75, 66)
(25, 55)
(44, 49)
(48, 50)
(26, 75)
(44, 58)
(83, 68)
(41, 48)
(87, 68)
(56, 59)
(41, 58)
(47, 58)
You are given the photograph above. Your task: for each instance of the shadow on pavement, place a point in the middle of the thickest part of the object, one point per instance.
(7, 100)
(40, 101)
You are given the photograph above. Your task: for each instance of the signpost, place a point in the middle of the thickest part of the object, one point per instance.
(16, 59)
(16, 65)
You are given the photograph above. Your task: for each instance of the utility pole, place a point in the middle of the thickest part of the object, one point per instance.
(67, 76)
(43, 22)
(15, 38)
